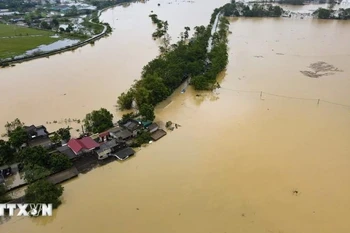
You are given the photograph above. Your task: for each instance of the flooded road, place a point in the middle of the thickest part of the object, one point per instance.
(240, 162)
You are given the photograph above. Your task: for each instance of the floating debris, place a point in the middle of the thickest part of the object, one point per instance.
(320, 69)
(168, 124)
(296, 192)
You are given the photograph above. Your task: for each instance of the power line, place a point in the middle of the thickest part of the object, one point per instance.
(288, 97)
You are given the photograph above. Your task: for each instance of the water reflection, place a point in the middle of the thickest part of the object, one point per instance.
(50, 47)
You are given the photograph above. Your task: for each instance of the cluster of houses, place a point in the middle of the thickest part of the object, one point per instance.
(114, 142)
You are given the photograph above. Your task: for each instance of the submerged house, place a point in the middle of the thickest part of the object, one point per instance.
(36, 131)
(109, 148)
(67, 152)
(133, 126)
(124, 153)
(153, 127)
(38, 136)
(82, 145)
(120, 133)
(158, 134)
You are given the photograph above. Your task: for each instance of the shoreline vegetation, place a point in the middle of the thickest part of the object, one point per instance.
(91, 22)
(189, 59)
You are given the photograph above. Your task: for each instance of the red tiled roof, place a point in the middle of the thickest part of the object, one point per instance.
(88, 143)
(85, 143)
(75, 145)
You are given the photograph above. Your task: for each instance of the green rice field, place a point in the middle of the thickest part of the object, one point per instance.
(16, 40)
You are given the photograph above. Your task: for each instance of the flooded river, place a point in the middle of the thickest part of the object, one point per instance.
(242, 161)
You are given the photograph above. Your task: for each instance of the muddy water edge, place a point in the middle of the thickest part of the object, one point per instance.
(238, 163)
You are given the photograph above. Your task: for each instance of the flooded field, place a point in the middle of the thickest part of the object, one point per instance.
(247, 158)
(50, 47)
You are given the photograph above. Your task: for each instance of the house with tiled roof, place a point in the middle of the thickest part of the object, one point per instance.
(82, 145)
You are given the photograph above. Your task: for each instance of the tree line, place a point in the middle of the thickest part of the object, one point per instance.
(161, 76)
(239, 9)
(341, 13)
(217, 59)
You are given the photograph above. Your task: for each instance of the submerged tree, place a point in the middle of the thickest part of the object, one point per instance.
(17, 137)
(125, 100)
(45, 192)
(147, 111)
(98, 121)
(7, 153)
(10, 126)
(64, 133)
(38, 163)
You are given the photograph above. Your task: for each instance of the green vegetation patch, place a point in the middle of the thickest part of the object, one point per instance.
(13, 30)
(16, 40)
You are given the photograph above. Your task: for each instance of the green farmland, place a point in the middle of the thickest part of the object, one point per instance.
(15, 40)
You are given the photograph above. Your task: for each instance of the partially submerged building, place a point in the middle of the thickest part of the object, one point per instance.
(38, 136)
(120, 133)
(124, 153)
(109, 148)
(133, 126)
(67, 152)
(82, 145)
(36, 131)
(159, 133)
(153, 127)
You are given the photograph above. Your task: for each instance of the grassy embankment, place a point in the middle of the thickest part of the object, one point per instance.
(16, 40)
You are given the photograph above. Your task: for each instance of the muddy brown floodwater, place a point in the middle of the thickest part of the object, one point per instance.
(239, 163)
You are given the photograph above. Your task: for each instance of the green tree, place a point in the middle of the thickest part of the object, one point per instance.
(28, 19)
(59, 162)
(186, 35)
(157, 89)
(7, 153)
(147, 111)
(125, 100)
(45, 25)
(142, 95)
(64, 133)
(55, 138)
(33, 172)
(10, 126)
(17, 137)
(69, 28)
(38, 163)
(142, 138)
(323, 13)
(98, 121)
(54, 23)
(43, 191)
(36, 155)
